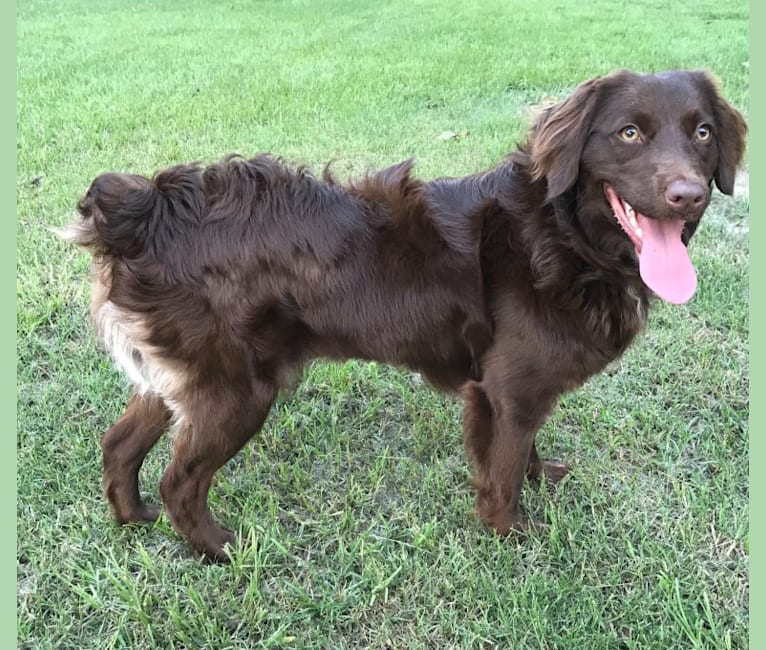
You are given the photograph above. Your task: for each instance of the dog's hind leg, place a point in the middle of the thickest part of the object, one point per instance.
(124, 448)
(215, 426)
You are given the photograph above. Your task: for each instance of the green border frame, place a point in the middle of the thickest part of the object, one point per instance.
(757, 324)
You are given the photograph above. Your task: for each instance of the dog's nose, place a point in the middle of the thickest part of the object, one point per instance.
(684, 196)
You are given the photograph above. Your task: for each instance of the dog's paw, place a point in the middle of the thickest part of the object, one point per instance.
(554, 471)
(516, 524)
(143, 514)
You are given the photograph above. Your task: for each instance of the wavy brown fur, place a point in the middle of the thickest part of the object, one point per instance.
(214, 285)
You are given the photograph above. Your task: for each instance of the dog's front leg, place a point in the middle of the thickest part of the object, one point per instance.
(499, 428)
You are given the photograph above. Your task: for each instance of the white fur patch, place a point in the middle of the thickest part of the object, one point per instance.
(125, 336)
(640, 306)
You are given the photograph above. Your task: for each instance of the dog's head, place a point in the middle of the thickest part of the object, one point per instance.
(643, 152)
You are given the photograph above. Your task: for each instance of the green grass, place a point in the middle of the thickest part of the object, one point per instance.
(355, 497)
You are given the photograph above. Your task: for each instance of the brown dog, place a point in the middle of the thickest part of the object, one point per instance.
(213, 285)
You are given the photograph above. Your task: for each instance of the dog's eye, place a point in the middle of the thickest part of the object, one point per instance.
(630, 133)
(703, 132)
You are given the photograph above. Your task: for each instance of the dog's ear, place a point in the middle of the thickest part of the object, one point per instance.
(559, 135)
(730, 130)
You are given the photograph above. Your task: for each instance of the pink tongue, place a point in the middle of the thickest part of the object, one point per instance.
(664, 264)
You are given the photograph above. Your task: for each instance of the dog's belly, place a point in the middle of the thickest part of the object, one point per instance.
(445, 351)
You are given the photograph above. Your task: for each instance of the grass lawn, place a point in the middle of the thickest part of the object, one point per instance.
(355, 498)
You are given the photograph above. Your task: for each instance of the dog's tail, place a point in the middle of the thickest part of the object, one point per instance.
(128, 214)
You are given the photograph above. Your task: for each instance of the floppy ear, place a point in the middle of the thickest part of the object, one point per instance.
(730, 129)
(559, 135)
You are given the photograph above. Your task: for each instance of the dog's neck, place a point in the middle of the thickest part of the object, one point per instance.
(597, 265)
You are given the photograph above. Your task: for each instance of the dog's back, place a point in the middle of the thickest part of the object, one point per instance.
(281, 267)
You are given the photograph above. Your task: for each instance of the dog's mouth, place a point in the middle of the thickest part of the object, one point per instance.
(663, 260)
